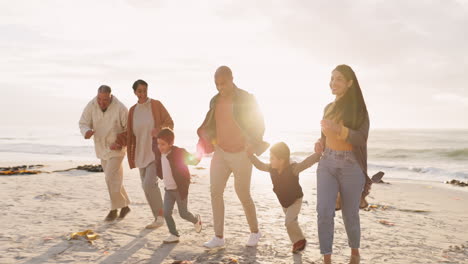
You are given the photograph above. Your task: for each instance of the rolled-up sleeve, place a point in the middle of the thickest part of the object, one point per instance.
(359, 136)
(86, 120)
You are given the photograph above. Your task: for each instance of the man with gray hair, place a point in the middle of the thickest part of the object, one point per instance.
(105, 117)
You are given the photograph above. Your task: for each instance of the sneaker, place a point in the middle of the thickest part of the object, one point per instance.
(171, 239)
(123, 212)
(214, 242)
(156, 223)
(198, 224)
(299, 246)
(111, 216)
(253, 239)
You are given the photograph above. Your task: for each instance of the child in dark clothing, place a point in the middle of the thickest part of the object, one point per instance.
(172, 168)
(285, 178)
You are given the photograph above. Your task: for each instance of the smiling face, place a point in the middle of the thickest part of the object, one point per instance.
(339, 85)
(142, 93)
(104, 100)
(224, 84)
(163, 146)
(224, 81)
(276, 163)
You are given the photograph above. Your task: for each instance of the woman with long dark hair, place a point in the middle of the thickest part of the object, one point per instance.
(342, 171)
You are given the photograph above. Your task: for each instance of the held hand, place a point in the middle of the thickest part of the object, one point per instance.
(199, 155)
(200, 151)
(193, 159)
(329, 125)
(249, 150)
(115, 146)
(154, 133)
(319, 147)
(89, 134)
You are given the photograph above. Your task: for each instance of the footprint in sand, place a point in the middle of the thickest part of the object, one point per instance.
(47, 196)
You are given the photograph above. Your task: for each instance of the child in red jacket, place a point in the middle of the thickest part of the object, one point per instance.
(172, 168)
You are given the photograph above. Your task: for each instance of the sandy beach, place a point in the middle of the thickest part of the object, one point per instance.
(370, 85)
(412, 222)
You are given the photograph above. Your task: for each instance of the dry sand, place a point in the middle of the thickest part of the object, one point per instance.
(39, 212)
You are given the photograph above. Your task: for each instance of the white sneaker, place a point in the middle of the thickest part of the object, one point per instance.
(198, 224)
(253, 239)
(156, 223)
(171, 239)
(214, 242)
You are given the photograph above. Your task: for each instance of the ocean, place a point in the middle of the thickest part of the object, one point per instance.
(430, 155)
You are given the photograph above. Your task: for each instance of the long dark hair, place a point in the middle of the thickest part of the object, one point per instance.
(351, 107)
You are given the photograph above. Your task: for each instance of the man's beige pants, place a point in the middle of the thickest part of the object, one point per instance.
(222, 165)
(114, 179)
(291, 223)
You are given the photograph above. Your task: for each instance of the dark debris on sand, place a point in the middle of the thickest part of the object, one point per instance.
(382, 182)
(21, 170)
(90, 168)
(33, 169)
(457, 183)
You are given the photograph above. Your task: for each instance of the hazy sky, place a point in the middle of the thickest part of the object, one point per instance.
(411, 57)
